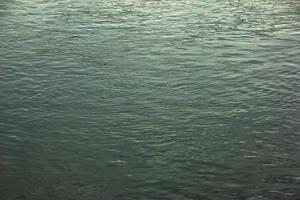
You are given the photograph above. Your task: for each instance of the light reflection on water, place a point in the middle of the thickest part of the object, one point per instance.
(138, 99)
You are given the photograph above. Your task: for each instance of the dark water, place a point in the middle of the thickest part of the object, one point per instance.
(150, 99)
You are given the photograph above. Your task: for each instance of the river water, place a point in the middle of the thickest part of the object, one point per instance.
(150, 99)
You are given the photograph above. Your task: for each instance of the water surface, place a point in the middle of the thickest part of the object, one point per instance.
(150, 99)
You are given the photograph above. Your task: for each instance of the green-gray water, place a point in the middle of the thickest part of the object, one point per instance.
(150, 99)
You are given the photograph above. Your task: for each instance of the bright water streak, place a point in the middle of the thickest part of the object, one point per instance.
(149, 99)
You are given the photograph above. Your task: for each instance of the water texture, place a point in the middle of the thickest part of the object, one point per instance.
(149, 100)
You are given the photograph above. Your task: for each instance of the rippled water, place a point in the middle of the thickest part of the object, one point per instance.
(150, 99)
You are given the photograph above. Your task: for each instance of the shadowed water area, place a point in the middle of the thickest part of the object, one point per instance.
(150, 100)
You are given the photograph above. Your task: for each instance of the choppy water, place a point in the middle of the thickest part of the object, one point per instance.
(150, 99)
